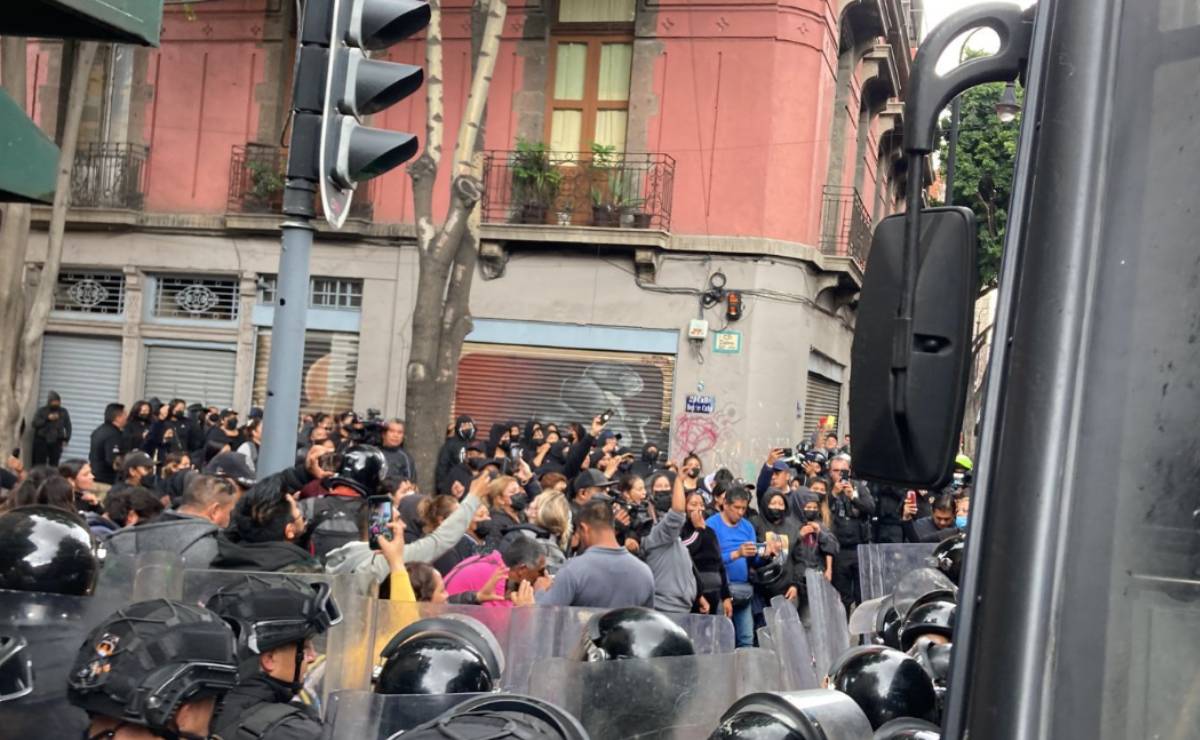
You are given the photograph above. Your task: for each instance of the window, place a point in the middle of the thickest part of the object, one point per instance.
(591, 59)
(90, 292)
(199, 298)
(323, 292)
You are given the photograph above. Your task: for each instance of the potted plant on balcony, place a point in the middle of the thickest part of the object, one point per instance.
(535, 182)
(266, 186)
(614, 191)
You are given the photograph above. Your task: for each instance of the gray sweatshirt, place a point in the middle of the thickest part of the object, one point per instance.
(669, 561)
(356, 557)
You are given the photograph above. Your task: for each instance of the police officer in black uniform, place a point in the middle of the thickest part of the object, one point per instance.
(275, 621)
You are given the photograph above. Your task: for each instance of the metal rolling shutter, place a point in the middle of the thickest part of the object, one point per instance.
(499, 383)
(824, 399)
(330, 371)
(86, 372)
(195, 374)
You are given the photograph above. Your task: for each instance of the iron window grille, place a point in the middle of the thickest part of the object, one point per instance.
(196, 298)
(101, 293)
(323, 292)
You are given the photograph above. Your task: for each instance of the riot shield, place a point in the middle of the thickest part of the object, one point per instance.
(54, 627)
(790, 644)
(526, 635)
(864, 620)
(351, 667)
(830, 634)
(678, 697)
(817, 714)
(881, 566)
(148, 575)
(365, 715)
(917, 583)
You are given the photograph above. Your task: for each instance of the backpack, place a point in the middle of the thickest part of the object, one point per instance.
(333, 521)
(262, 719)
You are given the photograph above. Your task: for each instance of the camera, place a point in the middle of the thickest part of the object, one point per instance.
(640, 522)
(760, 549)
(806, 453)
(368, 431)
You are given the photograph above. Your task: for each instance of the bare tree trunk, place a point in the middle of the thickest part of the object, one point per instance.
(30, 351)
(14, 239)
(975, 390)
(446, 254)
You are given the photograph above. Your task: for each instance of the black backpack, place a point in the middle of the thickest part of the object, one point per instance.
(333, 521)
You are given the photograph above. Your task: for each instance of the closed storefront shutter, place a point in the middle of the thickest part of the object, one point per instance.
(824, 399)
(195, 374)
(330, 371)
(500, 383)
(86, 372)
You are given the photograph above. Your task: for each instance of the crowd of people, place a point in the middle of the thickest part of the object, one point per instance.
(530, 514)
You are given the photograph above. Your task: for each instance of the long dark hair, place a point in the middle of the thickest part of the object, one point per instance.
(423, 578)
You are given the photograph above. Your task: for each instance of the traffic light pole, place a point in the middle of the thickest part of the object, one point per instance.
(286, 368)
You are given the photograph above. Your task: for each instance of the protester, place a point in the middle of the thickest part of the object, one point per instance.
(136, 433)
(521, 563)
(135, 469)
(51, 431)
(738, 550)
(939, 525)
(851, 506)
(606, 574)
(399, 462)
(189, 531)
(705, 551)
(554, 516)
(675, 587)
(252, 434)
(132, 506)
(506, 503)
(453, 452)
(264, 528)
(78, 473)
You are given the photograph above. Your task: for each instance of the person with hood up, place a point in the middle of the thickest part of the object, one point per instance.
(778, 523)
(647, 463)
(51, 431)
(815, 544)
(453, 452)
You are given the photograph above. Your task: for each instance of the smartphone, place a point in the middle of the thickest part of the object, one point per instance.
(514, 453)
(379, 516)
(663, 458)
(911, 498)
(606, 416)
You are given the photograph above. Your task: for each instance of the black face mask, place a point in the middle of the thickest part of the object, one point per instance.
(650, 456)
(811, 516)
(483, 529)
(662, 501)
(231, 424)
(519, 501)
(774, 516)
(467, 433)
(180, 414)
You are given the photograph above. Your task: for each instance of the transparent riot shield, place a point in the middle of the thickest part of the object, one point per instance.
(917, 583)
(881, 566)
(350, 666)
(526, 635)
(817, 714)
(148, 575)
(365, 715)
(830, 634)
(679, 697)
(789, 641)
(864, 620)
(54, 627)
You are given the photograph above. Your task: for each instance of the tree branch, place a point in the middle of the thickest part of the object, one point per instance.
(434, 74)
(481, 81)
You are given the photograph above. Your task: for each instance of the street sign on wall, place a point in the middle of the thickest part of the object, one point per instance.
(125, 21)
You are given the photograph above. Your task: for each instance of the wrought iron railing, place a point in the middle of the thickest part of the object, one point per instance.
(580, 189)
(108, 175)
(845, 224)
(256, 183)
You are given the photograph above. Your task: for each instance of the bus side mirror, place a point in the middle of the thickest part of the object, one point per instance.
(906, 408)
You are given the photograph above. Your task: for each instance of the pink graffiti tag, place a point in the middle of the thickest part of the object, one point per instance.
(696, 433)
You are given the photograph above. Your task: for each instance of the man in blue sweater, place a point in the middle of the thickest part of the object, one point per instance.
(739, 550)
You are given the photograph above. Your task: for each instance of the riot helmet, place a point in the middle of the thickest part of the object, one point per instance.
(885, 683)
(269, 613)
(362, 468)
(931, 617)
(147, 660)
(887, 628)
(16, 668)
(797, 715)
(948, 556)
(633, 632)
(44, 548)
(498, 717)
(451, 654)
(907, 728)
(935, 658)
(920, 584)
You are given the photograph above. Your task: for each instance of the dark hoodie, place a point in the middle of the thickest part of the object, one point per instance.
(52, 431)
(497, 431)
(647, 462)
(452, 453)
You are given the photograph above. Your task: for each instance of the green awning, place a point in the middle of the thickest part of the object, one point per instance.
(29, 157)
(125, 21)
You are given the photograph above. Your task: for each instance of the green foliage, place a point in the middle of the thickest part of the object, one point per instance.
(987, 150)
(536, 180)
(265, 180)
(612, 187)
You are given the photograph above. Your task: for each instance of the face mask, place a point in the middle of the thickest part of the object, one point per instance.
(650, 456)
(483, 529)
(960, 521)
(180, 414)
(774, 516)
(662, 501)
(231, 424)
(519, 501)
(811, 516)
(466, 433)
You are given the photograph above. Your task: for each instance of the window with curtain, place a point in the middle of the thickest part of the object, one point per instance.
(589, 91)
(596, 11)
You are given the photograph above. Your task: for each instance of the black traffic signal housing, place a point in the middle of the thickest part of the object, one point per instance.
(336, 86)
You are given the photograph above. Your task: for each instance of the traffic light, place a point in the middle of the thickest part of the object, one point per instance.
(337, 84)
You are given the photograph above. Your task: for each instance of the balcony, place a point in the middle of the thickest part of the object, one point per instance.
(256, 183)
(109, 176)
(598, 188)
(845, 224)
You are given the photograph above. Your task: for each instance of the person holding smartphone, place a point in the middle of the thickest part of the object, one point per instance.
(851, 507)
